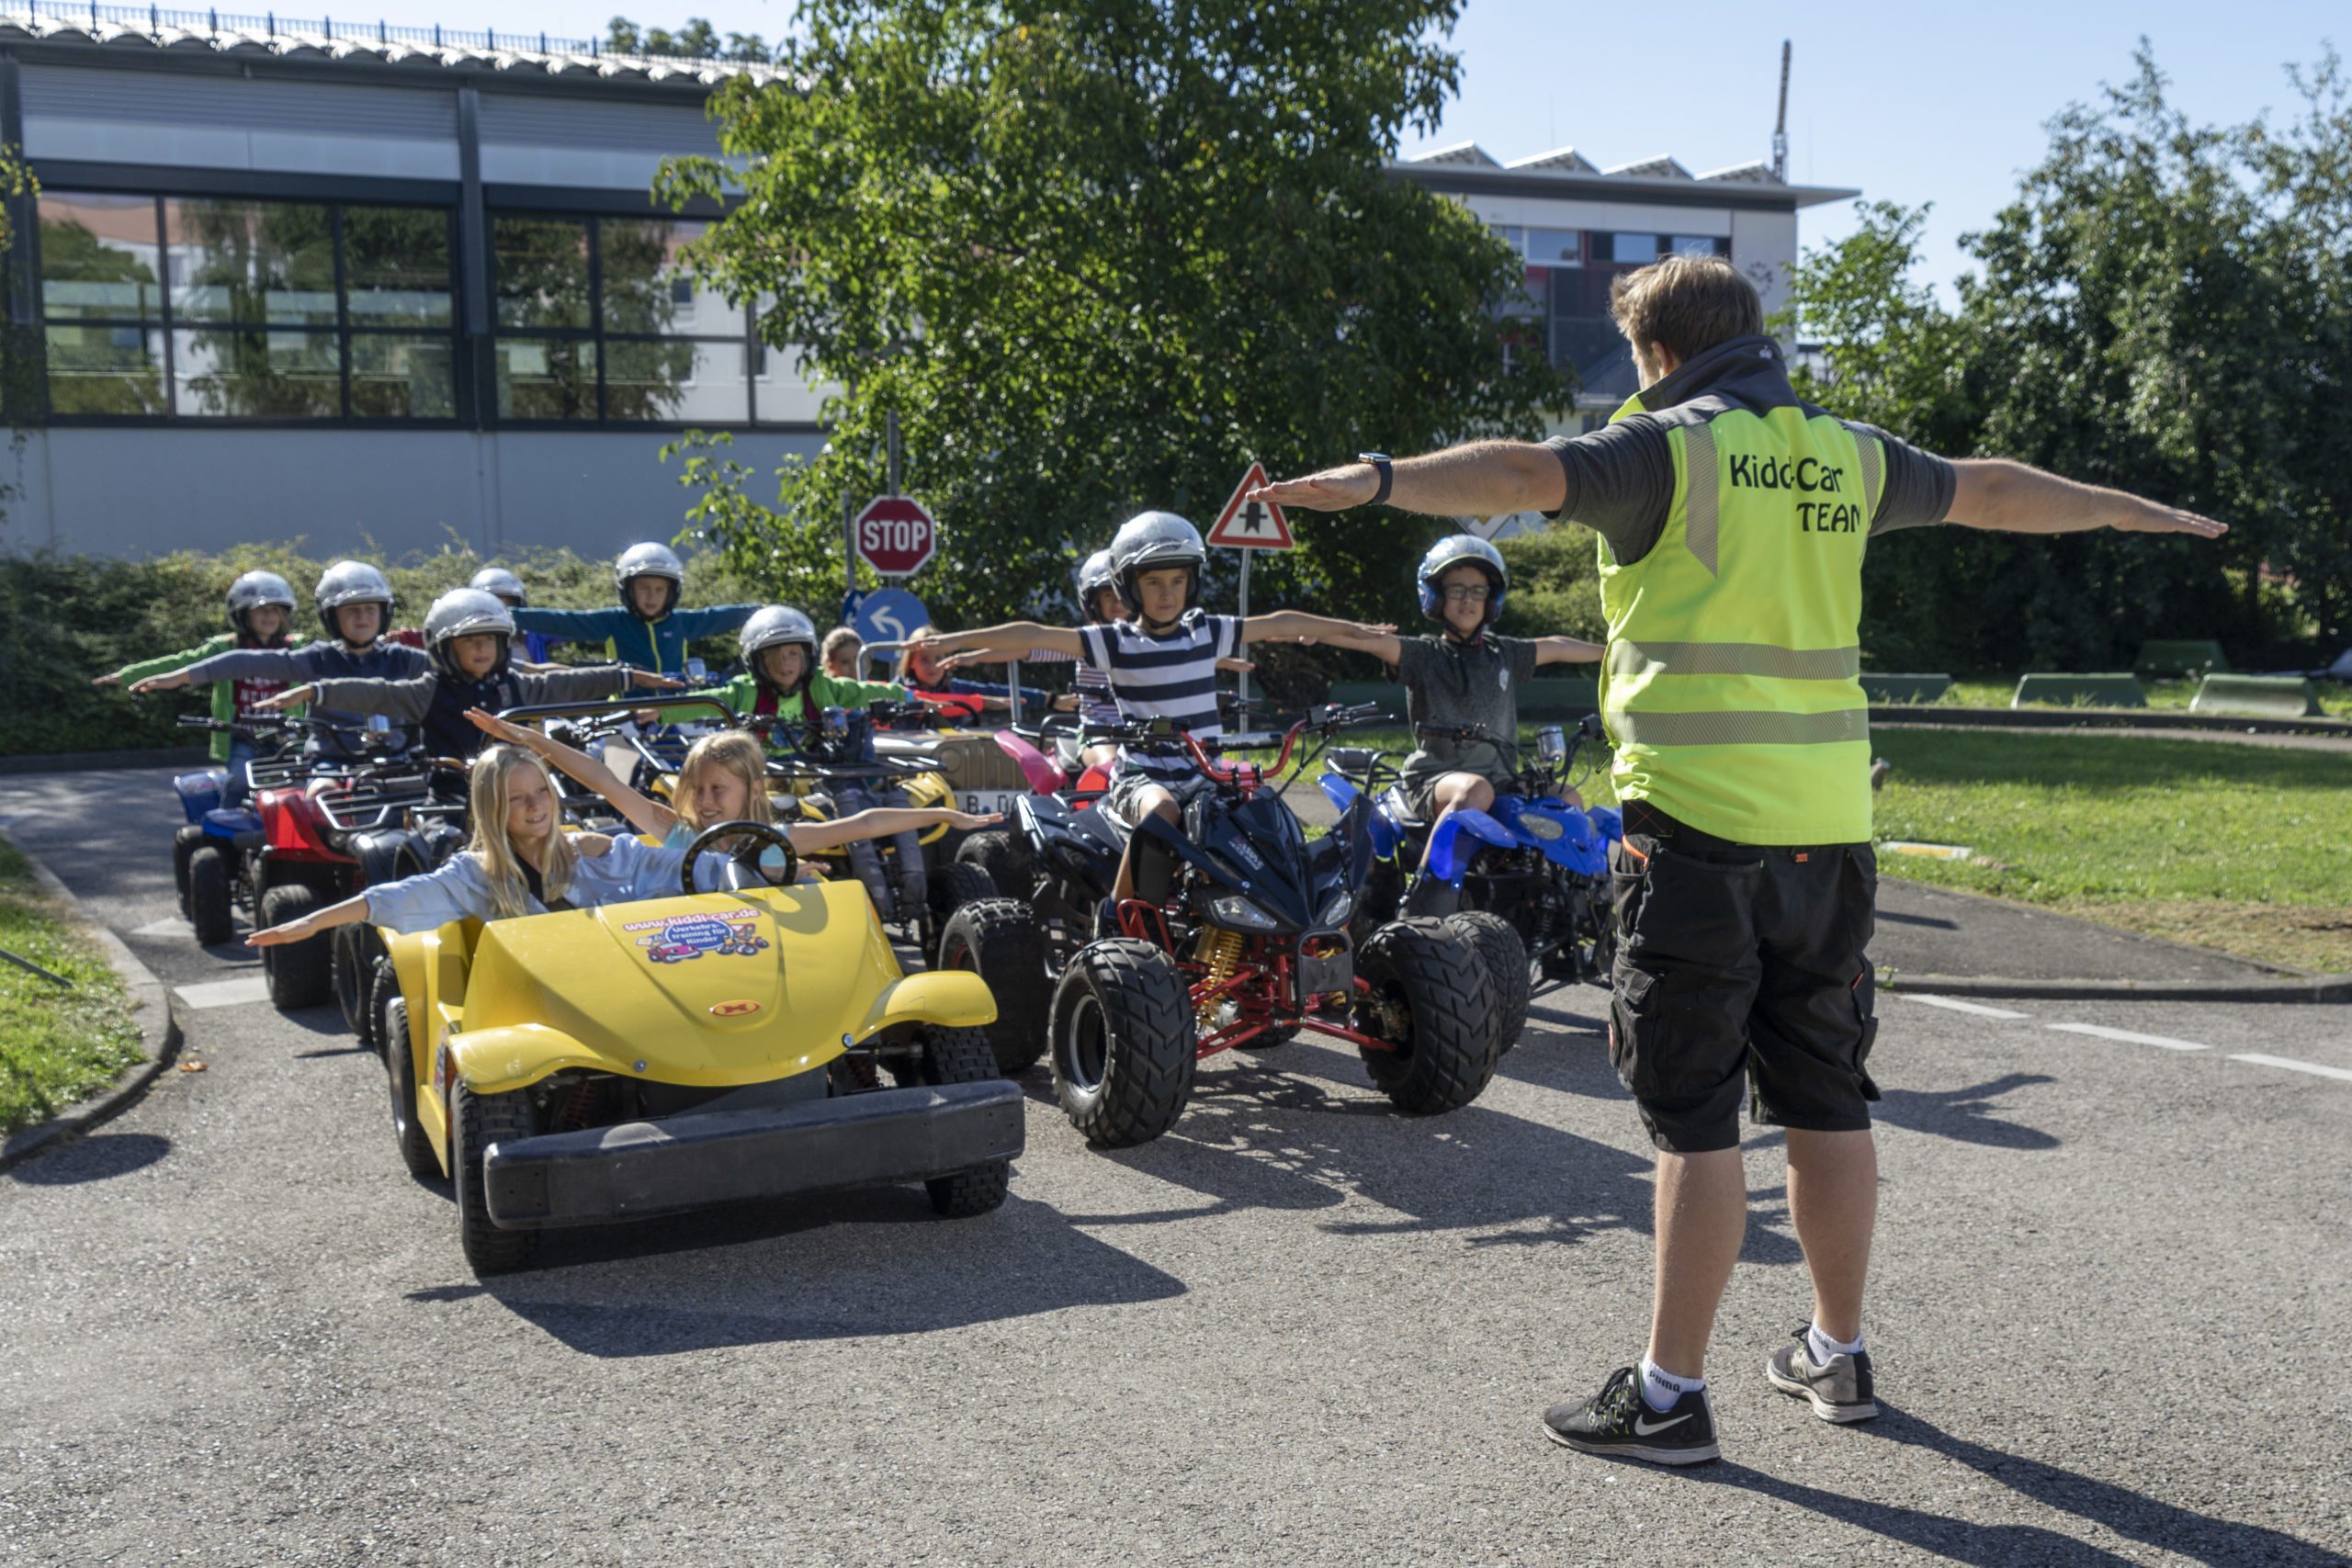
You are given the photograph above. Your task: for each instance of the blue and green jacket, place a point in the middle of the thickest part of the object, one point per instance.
(659, 645)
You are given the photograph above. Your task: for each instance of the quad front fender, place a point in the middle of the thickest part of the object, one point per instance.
(1449, 857)
(1342, 794)
(1043, 776)
(950, 998)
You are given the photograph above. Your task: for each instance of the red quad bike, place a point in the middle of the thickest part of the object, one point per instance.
(1249, 945)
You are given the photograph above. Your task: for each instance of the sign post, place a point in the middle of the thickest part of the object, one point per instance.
(1250, 526)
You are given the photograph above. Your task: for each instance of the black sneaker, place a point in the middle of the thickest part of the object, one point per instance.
(1618, 1420)
(1839, 1388)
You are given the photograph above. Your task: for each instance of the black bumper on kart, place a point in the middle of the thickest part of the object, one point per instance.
(640, 1169)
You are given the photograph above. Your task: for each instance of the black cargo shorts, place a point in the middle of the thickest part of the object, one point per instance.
(1740, 967)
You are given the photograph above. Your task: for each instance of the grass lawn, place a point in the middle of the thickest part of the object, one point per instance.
(56, 1047)
(1994, 692)
(2247, 849)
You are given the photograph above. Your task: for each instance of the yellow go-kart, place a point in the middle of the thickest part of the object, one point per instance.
(642, 1058)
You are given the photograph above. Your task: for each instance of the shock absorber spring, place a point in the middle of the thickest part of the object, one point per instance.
(1220, 953)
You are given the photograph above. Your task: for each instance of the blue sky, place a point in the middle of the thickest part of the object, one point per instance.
(1939, 103)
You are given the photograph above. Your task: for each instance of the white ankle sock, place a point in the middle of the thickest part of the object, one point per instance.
(1661, 1388)
(1821, 1347)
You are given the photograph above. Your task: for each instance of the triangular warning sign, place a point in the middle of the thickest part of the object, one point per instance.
(1247, 524)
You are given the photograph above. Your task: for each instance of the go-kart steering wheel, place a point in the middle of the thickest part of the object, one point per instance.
(748, 856)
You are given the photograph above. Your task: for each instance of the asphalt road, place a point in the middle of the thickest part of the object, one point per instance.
(2111, 1310)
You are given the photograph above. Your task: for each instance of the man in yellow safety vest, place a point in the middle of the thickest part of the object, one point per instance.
(1733, 521)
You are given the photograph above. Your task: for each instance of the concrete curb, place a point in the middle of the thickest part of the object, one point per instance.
(1937, 715)
(181, 756)
(2334, 988)
(162, 1033)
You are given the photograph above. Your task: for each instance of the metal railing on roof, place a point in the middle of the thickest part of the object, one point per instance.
(382, 34)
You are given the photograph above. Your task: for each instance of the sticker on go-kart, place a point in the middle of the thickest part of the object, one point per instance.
(682, 937)
(739, 1009)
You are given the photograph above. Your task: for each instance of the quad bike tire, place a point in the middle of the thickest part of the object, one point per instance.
(209, 907)
(997, 939)
(186, 841)
(359, 963)
(959, 1056)
(1503, 956)
(956, 883)
(300, 973)
(1122, 1042)
(481, 1121)
(1004, 857)
(1428, 993)
(400, 1076)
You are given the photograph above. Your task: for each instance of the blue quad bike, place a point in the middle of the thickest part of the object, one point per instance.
(1533, 873)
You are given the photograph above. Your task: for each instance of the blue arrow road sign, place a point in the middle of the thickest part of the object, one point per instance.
(889, 615)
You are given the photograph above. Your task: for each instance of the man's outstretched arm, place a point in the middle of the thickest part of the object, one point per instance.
(1484, 478)
(2000, 496)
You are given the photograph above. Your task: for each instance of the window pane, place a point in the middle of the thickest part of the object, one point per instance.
(105, 369)
(396, 265)
(401, 378)
(251, 261)
(788, 395)
(1638, 250)
(648, 288)
(241, 375)
(99, 257)
(676, 382)
(545, 378)
(1548, 245)
(541, 264)
(1701, 246)
(1512, 235)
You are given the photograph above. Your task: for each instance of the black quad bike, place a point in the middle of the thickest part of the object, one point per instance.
(1249, 944)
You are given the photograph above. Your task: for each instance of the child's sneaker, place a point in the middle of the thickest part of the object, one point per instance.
(1839, 1388)
(1618, 1420)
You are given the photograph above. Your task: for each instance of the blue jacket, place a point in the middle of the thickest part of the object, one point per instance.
(383, 660)
(659, 645)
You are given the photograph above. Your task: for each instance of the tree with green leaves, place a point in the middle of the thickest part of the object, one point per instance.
(696, 40)
(1098, 257)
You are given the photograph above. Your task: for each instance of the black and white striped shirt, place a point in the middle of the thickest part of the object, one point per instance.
(1173, 676)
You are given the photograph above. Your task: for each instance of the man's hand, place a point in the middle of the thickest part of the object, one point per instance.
(2153, 517)
(1333, 489)
(286, 699)
(658, 683)
(169, 681)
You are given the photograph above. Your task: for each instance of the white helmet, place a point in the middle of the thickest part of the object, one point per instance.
(1154, 539)
(350, 582)
(648, 560)
(497, 580)
(253, 590)
(774, 626)
(467, 612)
(1094, 577)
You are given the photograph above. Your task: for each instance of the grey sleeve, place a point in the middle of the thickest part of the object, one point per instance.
(406, 701)
(572, 685)
(248, 664)
(1916, 487)
(1621, 483)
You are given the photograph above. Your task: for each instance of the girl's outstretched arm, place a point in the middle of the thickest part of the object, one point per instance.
(880, 822)
(351, 909)
(647, 816)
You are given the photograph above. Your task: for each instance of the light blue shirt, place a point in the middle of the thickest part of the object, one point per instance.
(458, 890)
(680, 835)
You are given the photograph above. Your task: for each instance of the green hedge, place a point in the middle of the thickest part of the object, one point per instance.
(65, 619)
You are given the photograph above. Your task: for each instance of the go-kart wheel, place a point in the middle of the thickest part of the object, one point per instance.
(948, 889)
(758, 838)
(400, 1076)
(481, 1120)
(1004, 857)
(1122, 1041)
(997, 939)
(185, 843)
(209, 910)
(1427, 992)
(359, 958)
(300, 973)
(960, 1055)
(1503, 958)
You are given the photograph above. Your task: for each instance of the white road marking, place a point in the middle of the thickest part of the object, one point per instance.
(2130, 1037)
(226, 993)
(2292, 1065)
(1956, 1004)
(170, 925)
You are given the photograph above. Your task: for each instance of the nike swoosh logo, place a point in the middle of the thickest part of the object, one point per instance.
(1642, 1427)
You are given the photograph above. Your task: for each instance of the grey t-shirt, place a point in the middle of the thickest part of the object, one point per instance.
(1463, 683)
(1621, 483)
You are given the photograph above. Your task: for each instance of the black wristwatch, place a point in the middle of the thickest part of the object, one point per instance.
(1379, 461)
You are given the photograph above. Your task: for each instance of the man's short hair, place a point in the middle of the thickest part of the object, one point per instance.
(1686, 304)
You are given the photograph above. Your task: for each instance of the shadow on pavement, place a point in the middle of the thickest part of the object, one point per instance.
(1958, 1541)
(1966, 1115)
(854, 1265)
(98, 1157)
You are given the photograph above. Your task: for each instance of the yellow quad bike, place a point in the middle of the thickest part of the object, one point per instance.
(644, 1059)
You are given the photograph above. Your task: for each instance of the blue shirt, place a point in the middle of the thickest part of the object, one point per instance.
(382, 659)
(457, 891)
(659, 645)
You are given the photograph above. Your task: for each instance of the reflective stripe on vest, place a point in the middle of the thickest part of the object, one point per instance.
(1730, 686)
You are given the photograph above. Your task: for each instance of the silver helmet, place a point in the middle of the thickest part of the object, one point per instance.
(774, 626)
(497, 580)
(467, 612)
(350, 582)
(648, 560)
(1094, 577)
(1461, 549)
(253, 590)
(1149, 540)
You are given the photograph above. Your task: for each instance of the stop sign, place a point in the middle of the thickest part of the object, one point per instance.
(895, 536)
